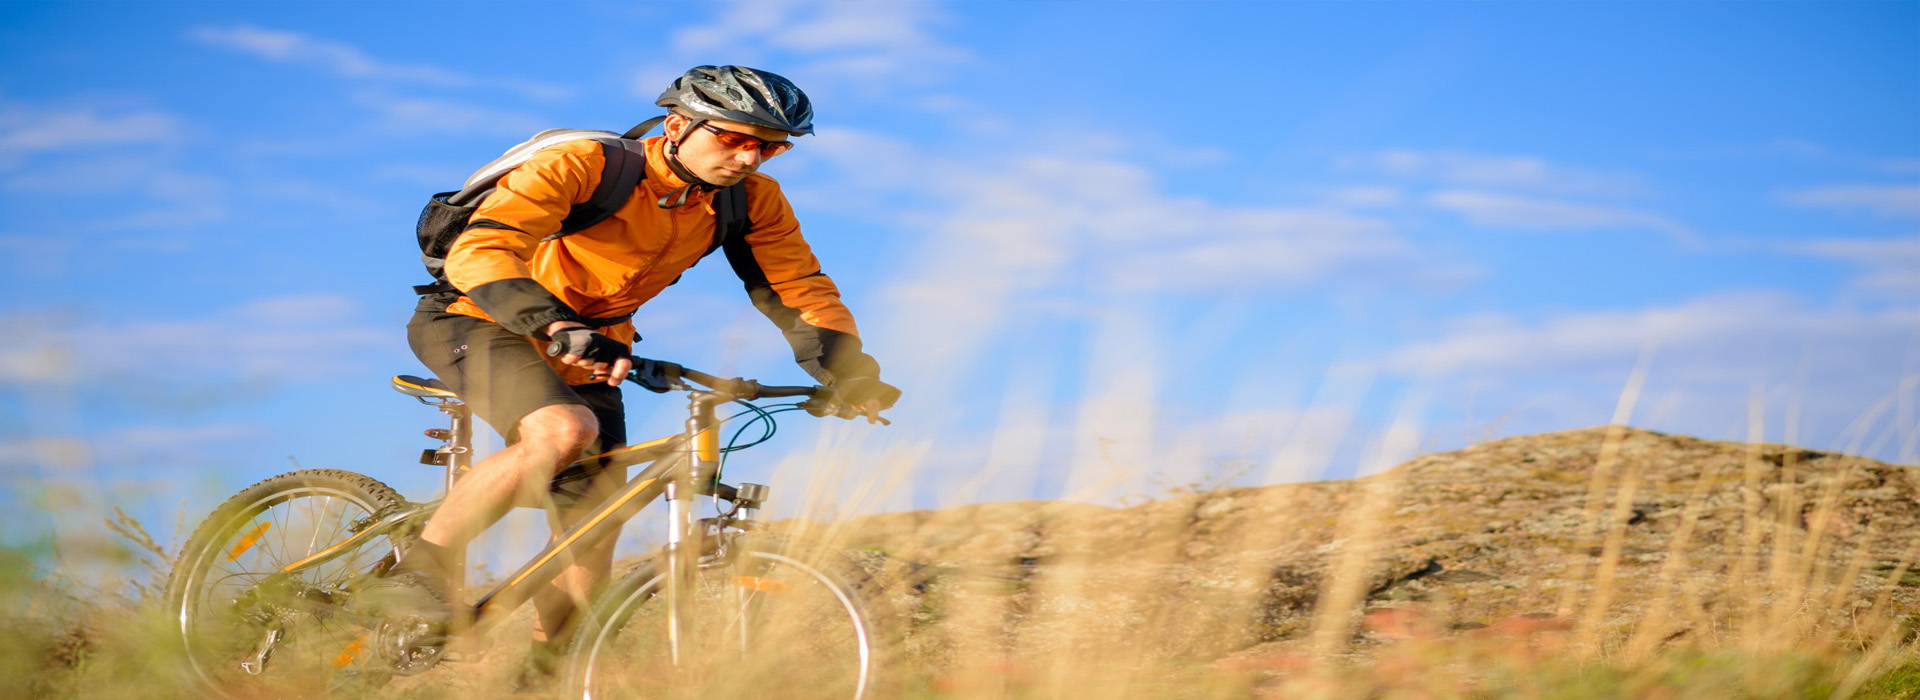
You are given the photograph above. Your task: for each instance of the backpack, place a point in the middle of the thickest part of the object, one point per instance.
(447, 213)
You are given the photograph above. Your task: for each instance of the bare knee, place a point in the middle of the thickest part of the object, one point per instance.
(565, 428)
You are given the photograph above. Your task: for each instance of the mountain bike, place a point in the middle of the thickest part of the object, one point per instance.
(262, 592)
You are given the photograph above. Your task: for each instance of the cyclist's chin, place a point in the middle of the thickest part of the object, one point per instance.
(724, 177)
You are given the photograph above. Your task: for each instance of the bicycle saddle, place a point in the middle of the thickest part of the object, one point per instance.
(427, 388)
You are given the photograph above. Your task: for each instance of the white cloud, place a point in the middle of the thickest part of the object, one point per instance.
(149, 192)
(738, 18)
(1040, 212)
(894, 27)
(441, 117)
(1257, 446)
(1901, 166)
(1001, 236)
(27, 129)
(290, 338)
(1734, 323)
(1509, 211)
(179, 201)
(1363, 197)
(82, 175)
(145, 445)
(1892, 266)
(420, 174)
(1051, 211)
(349, 61)
(1885, 200)
(23, 130)
(1709, 356)
(1464, 169)
(1482, 188)
(869, 48)
(1008, 243)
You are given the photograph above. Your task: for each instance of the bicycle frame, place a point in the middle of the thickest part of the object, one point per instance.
(679, 467)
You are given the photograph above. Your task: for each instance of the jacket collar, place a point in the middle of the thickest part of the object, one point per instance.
(660, 178)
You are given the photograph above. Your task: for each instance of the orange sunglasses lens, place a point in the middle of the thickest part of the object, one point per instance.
(744, 142)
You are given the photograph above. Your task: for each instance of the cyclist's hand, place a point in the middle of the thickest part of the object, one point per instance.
(867, 396)
(581, 347)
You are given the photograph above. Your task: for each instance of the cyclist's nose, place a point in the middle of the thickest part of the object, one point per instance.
(750, 157)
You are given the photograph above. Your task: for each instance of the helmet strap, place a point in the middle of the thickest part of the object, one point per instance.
(674, 199)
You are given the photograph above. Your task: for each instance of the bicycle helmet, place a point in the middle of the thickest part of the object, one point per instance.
(741, 95)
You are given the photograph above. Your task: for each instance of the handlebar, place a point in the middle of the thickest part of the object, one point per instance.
(821, 401)
(660, 377)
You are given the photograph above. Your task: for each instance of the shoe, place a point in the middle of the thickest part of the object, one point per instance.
(540, 671)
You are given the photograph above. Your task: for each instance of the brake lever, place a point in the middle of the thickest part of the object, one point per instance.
(818, 408)
(656, 376)
(822, 407)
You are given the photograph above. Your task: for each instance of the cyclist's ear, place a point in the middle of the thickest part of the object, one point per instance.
(675, 127)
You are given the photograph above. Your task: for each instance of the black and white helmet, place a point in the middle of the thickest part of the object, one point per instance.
(741, 95)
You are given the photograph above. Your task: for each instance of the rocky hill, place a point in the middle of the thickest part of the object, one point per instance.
(1638, 538)
(1612, 543)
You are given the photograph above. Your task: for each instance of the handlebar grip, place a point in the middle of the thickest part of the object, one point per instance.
(774, 392)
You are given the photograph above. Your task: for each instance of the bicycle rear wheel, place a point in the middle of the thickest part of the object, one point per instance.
(250, 630)
(766, 622)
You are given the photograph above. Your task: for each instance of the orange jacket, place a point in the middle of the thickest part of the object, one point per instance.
(601, 274)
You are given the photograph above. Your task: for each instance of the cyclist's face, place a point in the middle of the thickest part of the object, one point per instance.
(712, 158)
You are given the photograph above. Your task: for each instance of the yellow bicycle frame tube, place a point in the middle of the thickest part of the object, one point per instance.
(706, 445)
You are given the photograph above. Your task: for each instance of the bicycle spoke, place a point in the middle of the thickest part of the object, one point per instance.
(277, 515)
(313, 543)
(749, 619)
(246, 622)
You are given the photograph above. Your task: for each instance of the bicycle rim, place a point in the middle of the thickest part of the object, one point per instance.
(763, 625)
(235, 603)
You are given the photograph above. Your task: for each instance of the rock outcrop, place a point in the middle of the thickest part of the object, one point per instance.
(1618, 531)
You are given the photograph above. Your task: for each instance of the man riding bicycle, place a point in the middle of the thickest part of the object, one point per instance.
(523, 294)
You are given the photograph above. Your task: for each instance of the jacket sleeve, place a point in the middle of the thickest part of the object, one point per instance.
(785, 282)
(489, 260)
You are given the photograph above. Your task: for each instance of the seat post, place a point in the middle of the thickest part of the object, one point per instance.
(459, 459)
(460, 442)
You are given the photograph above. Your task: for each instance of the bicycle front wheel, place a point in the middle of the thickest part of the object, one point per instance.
(249, 628)
(762, 622)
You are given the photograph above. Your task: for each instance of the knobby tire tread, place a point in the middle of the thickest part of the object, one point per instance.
(212, 531)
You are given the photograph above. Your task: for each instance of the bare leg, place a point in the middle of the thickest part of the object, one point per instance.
(558, 605)
(549, 438)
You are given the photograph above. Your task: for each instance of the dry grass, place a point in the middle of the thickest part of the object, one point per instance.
(1185, 601)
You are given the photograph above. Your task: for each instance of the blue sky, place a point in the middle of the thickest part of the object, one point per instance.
(1105, 247)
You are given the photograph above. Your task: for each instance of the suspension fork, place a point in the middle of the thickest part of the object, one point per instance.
(684, 535)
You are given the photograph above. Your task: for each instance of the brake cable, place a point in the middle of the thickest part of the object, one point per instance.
(760, 415)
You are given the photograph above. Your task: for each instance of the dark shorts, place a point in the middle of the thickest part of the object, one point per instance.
(504, 378)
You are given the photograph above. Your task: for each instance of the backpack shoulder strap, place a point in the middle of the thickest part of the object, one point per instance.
(731, 226)
(626, 167)
(731, 220)
(481, 182)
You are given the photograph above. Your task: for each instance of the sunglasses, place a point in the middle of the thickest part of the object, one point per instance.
(747, 142)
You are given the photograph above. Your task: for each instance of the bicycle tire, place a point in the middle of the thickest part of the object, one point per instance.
(223, 594)
(772, 620)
